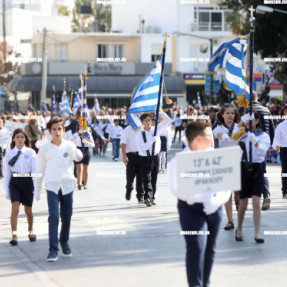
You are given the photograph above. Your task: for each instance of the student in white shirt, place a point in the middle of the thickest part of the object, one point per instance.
(227, 119)
(280, 145)
(3, 147)
(20, 162)
(145, 139)
(252, 182)
(85, 146)
(198, 212)
(55, 163)
(115, 136)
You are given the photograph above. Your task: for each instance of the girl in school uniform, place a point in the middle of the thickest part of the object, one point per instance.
(252, 182)
(20, 162)
(227, 119)
(280, 145)
(84, 145)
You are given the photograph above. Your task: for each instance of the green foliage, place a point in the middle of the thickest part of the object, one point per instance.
(81, 23)
(63, 11)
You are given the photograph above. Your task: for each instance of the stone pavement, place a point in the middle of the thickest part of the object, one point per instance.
(146, 248)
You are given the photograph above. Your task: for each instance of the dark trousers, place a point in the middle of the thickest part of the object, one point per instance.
(266, 192)
(283, 158)
(149, 176)
(66, 210)
(200, 249)
(177, 129)
(134, 170)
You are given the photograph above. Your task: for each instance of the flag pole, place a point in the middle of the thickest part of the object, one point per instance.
(159, 96)
(251, 49)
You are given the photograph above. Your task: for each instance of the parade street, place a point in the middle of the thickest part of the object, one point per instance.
(122, 243)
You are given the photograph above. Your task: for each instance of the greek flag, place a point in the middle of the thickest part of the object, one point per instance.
(55, 106)
(77, 104)
(145, 96)
(84, 108)
(230, 55)
(65, 107)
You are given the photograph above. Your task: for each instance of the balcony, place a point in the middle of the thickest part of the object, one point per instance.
(210, 26)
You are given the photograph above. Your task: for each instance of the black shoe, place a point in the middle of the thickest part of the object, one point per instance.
(141, 200)
(238, 238)
(128, 195)
(14, 242)
(32, 238)
(259, 240)
(229, 226)
(79, 186)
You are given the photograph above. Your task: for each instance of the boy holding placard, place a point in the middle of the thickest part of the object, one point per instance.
(199, 214)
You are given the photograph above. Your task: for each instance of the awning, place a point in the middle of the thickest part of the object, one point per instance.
(96, 84)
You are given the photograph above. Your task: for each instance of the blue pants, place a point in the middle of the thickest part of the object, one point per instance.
(66, 210)
(116, 147)
(200, 249)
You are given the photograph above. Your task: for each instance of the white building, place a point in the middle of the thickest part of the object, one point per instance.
(24, 20)
(188, 55)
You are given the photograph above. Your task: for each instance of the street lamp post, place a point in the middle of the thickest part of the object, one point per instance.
(261, 9)
(211, 52)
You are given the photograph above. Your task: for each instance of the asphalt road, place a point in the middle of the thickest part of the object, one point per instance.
(120, 243)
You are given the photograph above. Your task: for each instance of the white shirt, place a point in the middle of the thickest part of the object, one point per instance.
(280, 137)
(211, 200)
(57, 166)
(97, 128)
(115, 132)
(26, 163)
(77, 140)
(259, 152)
(144, 146)
(226, 141)
(128, 137)
(177, 121)
(167, 133)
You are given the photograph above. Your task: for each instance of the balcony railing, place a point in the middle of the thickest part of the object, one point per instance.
(210, 26)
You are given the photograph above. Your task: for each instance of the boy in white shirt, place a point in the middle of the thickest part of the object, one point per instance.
(55, 163)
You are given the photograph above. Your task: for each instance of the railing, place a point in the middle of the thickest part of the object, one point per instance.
(210, 26)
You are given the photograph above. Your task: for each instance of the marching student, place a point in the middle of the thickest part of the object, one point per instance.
(280, 145)
(165, 139)
(55, 162)
(131, 159)
(178, 127)
(20, 162)
(227, 119)
(115, 137)
(200, 212)
(145, 139)
(3, 146)
(85, 146)
(252, 182)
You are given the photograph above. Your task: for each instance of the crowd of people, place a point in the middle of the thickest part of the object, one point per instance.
(64, 160)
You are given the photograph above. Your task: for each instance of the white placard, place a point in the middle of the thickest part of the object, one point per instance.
(216, 170)
(4, 138)
(12, 126)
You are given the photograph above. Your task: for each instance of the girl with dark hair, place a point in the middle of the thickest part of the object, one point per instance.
(83, 165)
(252, 182)
(227, 119)
(20, 165)
(280, 145)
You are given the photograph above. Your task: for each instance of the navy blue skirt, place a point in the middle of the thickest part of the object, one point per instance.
(21, 189)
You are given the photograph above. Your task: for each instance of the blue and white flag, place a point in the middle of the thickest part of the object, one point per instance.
(65, 107)
(77, 104)
(230, 55)
(144, 98)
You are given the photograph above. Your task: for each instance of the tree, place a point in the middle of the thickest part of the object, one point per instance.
(270, 33)
(101, 15)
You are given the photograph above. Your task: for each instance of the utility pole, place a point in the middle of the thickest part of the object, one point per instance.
(44, 68)
(4, 29)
